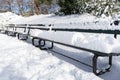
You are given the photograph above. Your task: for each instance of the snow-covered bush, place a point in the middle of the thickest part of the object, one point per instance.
(96, 7)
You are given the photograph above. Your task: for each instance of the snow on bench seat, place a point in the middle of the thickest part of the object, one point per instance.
(99, 42)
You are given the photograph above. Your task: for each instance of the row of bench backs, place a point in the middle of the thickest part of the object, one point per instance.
(19, 29)
(99, 42)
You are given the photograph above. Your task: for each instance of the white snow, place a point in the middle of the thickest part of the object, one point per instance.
(22, 61)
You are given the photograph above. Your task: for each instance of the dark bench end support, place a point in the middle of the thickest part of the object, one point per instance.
(95, 70)
(42, 44)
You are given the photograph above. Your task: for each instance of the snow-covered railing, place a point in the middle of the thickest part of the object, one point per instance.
(25, 26)
(114, 32)
(27, 31)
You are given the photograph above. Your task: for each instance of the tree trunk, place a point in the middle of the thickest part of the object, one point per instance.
(9, 3)
(36, 7)
(20, 5)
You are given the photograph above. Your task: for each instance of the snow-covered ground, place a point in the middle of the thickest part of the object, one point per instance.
(21, 61)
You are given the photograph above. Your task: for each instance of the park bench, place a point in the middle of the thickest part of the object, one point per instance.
(3, 29)
(42, 40)
(20, 31)
(10, 30)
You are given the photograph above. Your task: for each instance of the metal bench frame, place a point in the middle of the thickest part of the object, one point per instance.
(94, 60)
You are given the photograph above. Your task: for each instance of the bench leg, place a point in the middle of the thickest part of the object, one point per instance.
(42, 46)
(26, 37)
(52, 45)
(42, 43)
(6, 32)
(33, 41)
(18, 36)
(96, 71)
(13, 34)
(95, 64)
(110, 60)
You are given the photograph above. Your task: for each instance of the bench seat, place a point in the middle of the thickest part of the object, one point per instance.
(105, 43)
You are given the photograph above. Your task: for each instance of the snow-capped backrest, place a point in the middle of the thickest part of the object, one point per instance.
(10, 29)
(23, 30)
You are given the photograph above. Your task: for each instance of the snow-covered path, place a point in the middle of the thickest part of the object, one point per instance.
(22, 61)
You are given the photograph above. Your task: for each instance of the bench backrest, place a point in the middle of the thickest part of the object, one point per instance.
(21, 30)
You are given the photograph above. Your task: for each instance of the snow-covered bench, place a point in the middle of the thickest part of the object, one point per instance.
(10, 30)
(22, 32)
(88, 41)
(19, 30)
(3, 29)
(64, 37)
